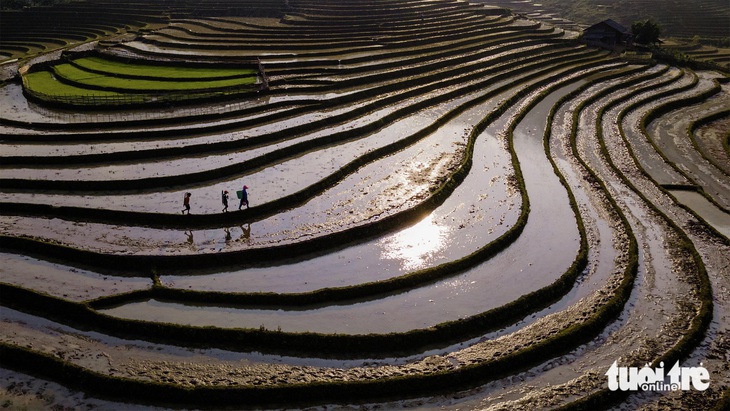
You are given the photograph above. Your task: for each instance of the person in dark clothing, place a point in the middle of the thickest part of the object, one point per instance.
(186, 203)
(224, 198)
(244, 197)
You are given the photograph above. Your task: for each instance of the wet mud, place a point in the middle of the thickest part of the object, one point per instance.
(533, 147)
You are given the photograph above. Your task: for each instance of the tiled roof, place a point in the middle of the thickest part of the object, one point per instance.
(621, 29)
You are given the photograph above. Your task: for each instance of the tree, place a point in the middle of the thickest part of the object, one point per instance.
(646, 32)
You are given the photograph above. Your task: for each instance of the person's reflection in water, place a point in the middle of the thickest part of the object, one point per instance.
(190, 240)
(246, 233)
(228, 235)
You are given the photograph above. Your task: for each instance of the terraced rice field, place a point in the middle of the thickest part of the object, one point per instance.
(688, 28)
(702, 18)
(98, 82)
(450, 208)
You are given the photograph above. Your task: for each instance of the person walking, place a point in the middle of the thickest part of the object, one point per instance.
(244, 197)
(186, 203)
(224, 199)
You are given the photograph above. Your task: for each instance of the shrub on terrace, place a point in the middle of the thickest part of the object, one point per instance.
(646, 32)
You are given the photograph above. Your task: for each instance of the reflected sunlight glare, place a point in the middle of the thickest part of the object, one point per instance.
(415, 245)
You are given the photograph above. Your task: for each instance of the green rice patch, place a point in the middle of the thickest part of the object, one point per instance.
(163, 72)
(88, 78)
(43, 83)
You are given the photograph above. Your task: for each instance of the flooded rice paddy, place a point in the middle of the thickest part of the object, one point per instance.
(459, 210)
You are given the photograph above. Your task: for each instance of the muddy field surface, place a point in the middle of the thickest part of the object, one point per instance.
(450, 207)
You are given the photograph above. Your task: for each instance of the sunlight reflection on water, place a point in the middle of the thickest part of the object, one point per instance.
(414, 246)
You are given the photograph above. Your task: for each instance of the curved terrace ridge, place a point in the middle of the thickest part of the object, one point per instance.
(448, 205)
